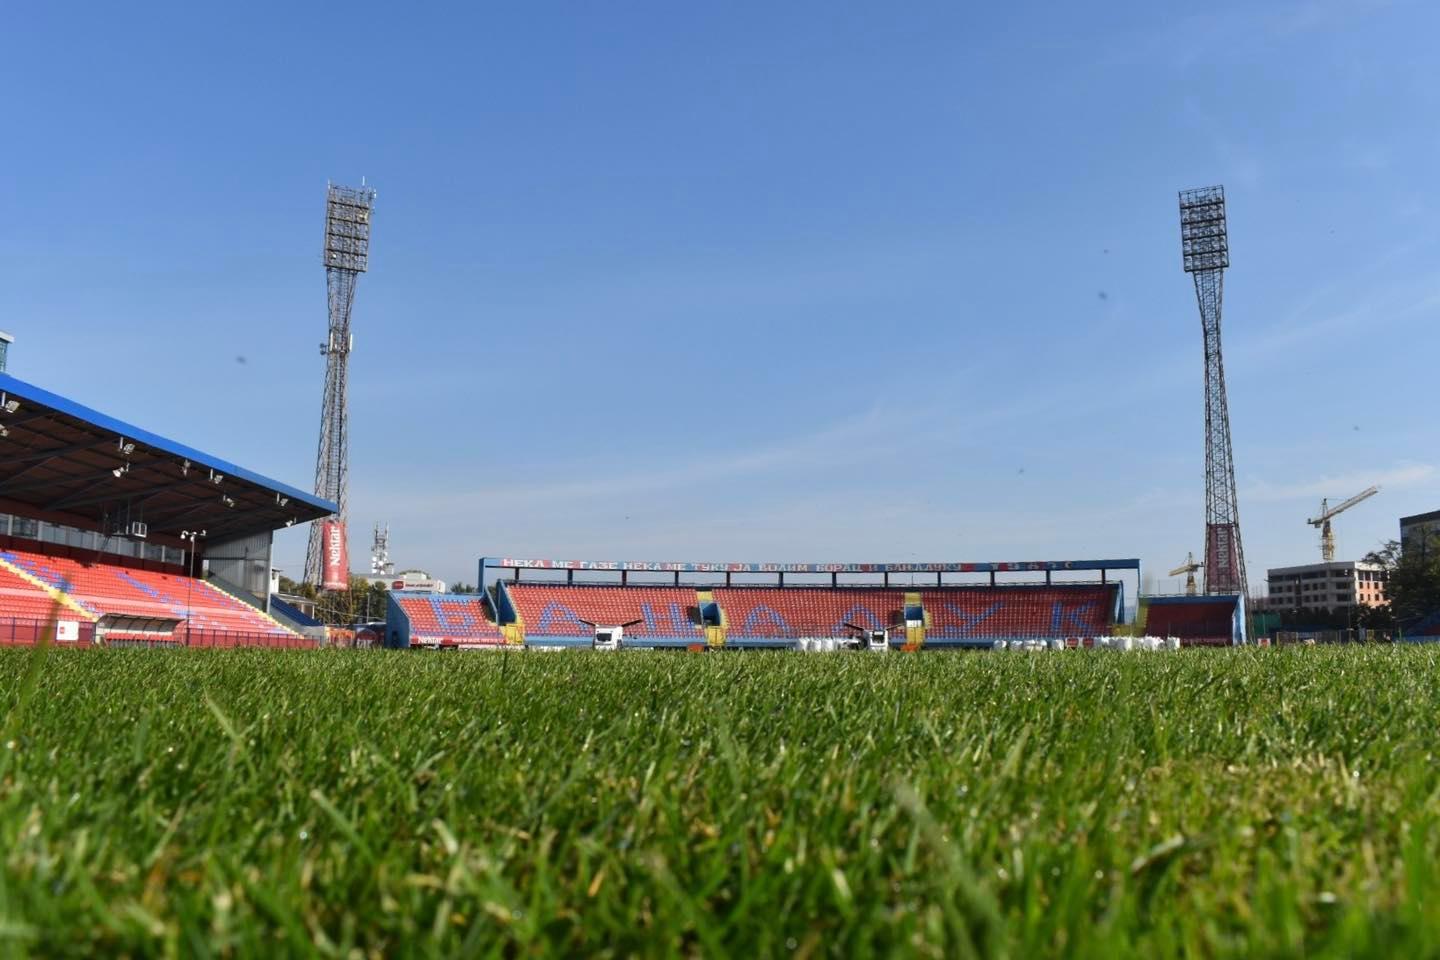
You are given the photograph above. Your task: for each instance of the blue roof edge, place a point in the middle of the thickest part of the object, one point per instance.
(28, 391)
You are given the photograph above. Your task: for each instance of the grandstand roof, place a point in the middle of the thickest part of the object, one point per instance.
(691, 566)
(65, 462)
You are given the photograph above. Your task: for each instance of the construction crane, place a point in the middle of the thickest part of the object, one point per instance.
(1328, 513)
(1188, 568)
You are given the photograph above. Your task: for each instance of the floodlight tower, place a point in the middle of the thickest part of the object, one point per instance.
(1205, 245)
(347, 255)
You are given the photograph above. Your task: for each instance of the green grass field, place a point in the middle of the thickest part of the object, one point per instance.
(1210, 803)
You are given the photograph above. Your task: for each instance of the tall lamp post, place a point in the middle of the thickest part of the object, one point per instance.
(347, 255)
(1205, 245)
(192, 536)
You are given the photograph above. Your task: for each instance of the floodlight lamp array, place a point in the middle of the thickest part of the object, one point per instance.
(347, 228)
(1204, 239)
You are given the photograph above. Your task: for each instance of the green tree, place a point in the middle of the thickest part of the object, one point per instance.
(295, 588)
(1412, 589)
(361, 602)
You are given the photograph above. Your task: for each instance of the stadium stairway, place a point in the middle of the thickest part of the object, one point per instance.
(512, 625)
(915, 635)
(1141, 627)
(712, 618)
(240, 594)
(24, 596)
(292, 617)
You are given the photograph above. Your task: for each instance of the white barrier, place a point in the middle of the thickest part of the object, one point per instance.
(1123, 644)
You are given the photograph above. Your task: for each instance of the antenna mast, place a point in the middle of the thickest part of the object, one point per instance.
(380, 565)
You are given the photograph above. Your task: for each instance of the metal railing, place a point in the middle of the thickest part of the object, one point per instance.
(16, 631)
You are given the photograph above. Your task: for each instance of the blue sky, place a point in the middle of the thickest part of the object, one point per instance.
(804, 281)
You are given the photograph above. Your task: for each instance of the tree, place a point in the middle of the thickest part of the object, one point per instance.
(296, 589)
(361, 602)
(462, 588)
(1412, 590)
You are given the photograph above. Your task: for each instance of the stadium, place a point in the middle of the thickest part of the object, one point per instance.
(815, 534)
(116, 535)
(555, 604)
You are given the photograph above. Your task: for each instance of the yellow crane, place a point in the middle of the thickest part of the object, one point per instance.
(1188, 568)
(1328, 513)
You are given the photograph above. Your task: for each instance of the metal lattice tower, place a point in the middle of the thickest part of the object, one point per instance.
(347, 255)
(380, 565)
(1206, 248)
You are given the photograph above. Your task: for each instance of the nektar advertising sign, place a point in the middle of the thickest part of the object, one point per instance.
(337, 557)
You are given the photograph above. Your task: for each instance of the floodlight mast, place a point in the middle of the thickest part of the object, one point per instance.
(347, 255)
(1205, 246)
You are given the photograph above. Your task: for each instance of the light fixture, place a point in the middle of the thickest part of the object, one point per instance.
(4, 432)
(7, 404)
(217, 478)
(185, 468)
(125, 447)
(121, 470)
(290, 522)
(282, 501)
(228, 501)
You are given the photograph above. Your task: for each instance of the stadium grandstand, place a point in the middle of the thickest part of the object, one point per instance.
(561, 603)
(1215, 620)
(112, 534)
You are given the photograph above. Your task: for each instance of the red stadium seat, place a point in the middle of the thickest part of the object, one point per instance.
(775, 612)
(102, 589)
(1020, 611)
(1195, 622)
(448, 620)
(22, 600)
(952, 613)
(559, 611)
